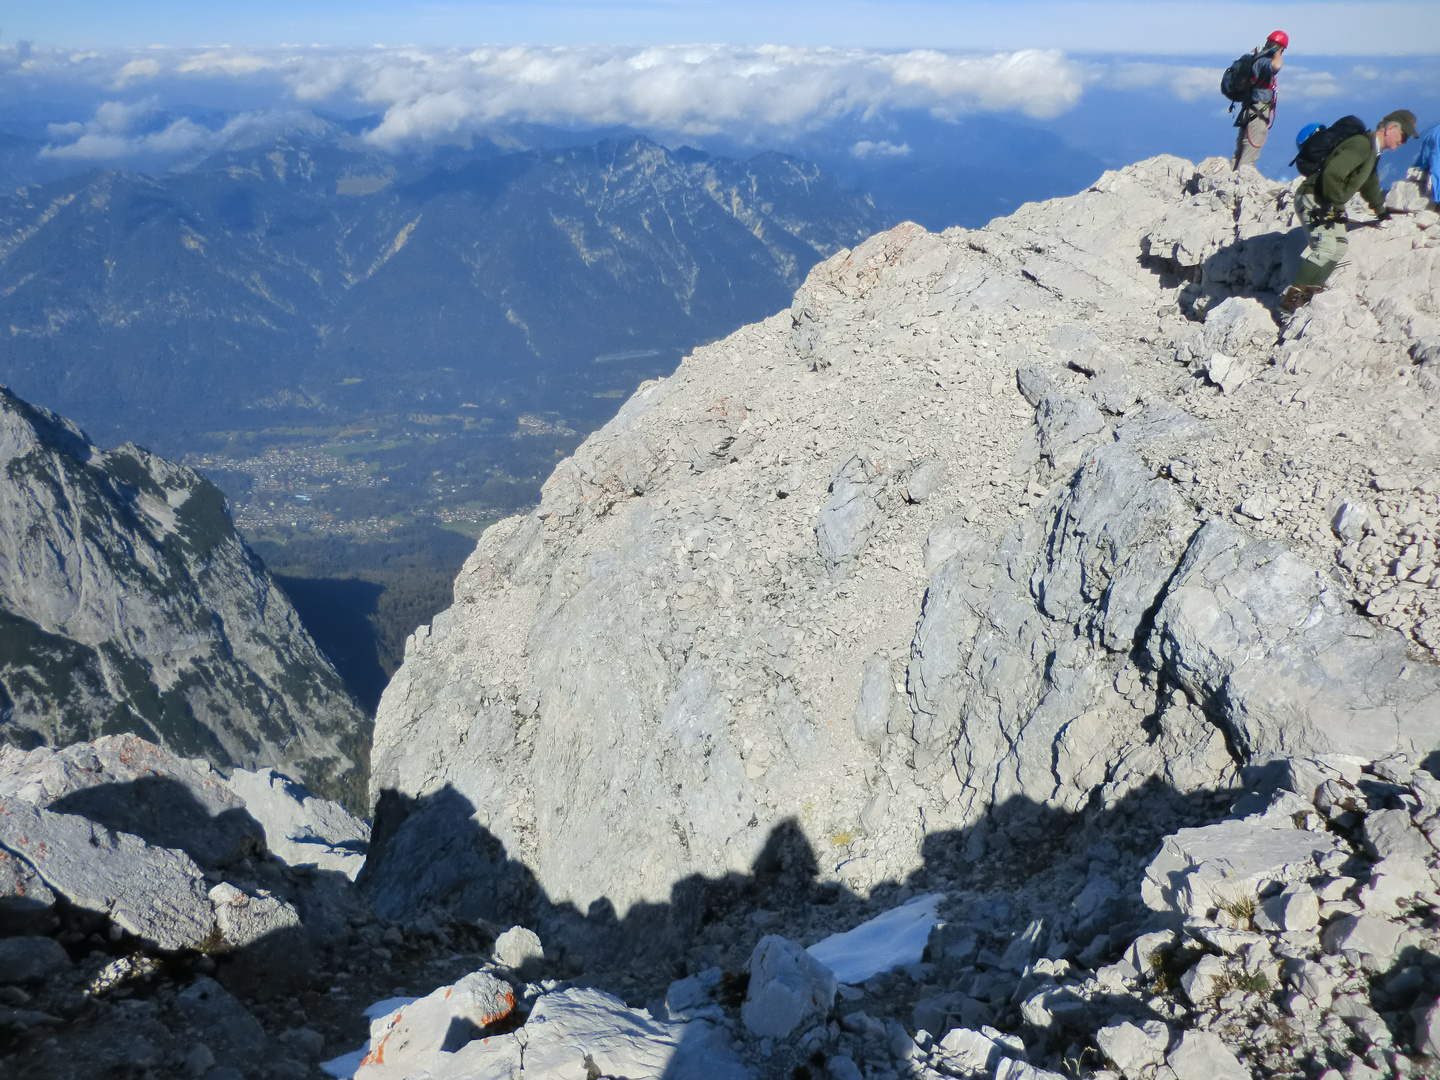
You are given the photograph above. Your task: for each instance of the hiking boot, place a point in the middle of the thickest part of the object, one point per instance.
(1297, 296)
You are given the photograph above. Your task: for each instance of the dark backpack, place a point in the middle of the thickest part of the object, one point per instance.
(1238, 82)
(1321, 144)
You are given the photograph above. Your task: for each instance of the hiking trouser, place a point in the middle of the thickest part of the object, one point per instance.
(1254, 127)
(1326, 241)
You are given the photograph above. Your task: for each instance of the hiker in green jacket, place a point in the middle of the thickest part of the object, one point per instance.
(1320, 201)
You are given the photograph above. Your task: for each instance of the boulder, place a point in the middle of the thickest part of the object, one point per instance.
(572, 1027)
(133, 786)
(969, 1051)
(221, 1023)
(300, 829)
(1204, 979)
(1374, 938)
(1197, 870)
(1252, 629)
(1391, 834)
(517, 947)
(852, 513)
(693, 997)
(1239, 324)
(411, 1039)
(271, 951)
(877, 693)
(1295, 908)
(157, 894)
(1426, 1016)
(31, 959)
(1202, 1055)
(26, 902)
(787, 987)
(1134, 1048)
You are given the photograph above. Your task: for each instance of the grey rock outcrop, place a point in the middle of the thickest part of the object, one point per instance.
(129, 603)
(128, 785)
(157, 894)
(1127, 576)
(300, 829)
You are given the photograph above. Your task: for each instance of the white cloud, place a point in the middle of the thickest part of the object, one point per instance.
(745, 93)
(134, 70)
(118, 130)
(882, 149)
(691, 89)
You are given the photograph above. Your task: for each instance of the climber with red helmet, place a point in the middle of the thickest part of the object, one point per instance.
(1250, 83)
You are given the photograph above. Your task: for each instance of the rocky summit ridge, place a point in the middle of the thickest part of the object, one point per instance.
(1045, 511)
(128, 603)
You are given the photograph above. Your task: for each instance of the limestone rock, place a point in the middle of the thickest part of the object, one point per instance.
(1197, 870)
(787, 987)
(273, 951)
(518, 946)
(969, 1051)
(226, 1028)
(31, 959)
(569, 1027)
(1086, 529)
(1427, 1027)
(1134, 1048)
(852, 513)
(130, 602)
(1376, 939)
(1201, 1055)
(157, 894)
(126, 784)
(413, 1037)
(25, 900)
(1202, 981)
(299, 828)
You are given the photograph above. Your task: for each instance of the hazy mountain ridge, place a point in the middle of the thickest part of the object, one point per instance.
(291, 280)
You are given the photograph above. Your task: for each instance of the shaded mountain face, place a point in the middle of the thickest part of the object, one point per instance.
(294, 282)
(128, 603)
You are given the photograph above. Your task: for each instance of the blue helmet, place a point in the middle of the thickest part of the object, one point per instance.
(1306, 132)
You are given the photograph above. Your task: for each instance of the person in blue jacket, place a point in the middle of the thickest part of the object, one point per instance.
(1429, 163)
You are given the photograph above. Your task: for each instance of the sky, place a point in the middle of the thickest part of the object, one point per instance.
(1194, 27)
(162, 83)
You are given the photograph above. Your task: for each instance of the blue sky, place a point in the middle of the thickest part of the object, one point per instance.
(1341, 27)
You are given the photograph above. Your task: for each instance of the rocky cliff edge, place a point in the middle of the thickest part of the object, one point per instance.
(1038, 513)
(128, 603)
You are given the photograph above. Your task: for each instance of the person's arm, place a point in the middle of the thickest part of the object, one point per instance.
(1371, 193)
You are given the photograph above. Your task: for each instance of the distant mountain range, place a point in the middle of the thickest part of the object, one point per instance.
(315, 279)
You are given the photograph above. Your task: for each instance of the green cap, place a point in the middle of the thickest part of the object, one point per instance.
(1405, 119)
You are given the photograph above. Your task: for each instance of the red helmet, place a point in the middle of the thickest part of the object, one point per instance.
(1279, 37)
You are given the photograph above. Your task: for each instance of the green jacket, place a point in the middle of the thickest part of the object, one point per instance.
(1349, 168)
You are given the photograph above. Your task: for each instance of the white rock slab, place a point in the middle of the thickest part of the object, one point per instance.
(570, 1031)
(1199, 869)
(299, 828)
(157, 894)
(892, 939)
(410, 1039)
(787, 986)
(1202, 1056)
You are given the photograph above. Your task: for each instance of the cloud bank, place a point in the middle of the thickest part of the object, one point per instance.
(429, 94)
(426, 95)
